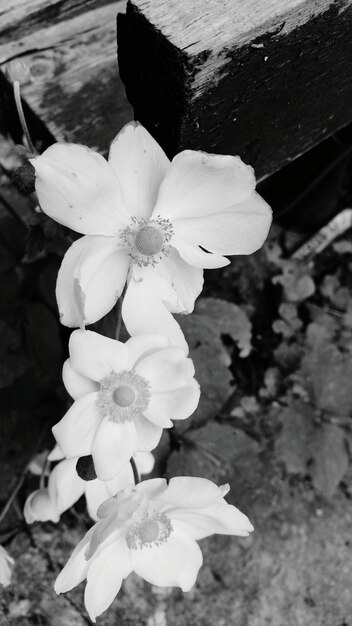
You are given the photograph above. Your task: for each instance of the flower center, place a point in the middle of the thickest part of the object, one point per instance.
(149, 532)
(147, 240)
(123, 396)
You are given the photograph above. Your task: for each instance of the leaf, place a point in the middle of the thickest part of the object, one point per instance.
(296, 281)
(212, 452)
(330, 458)
(294, 444)
(227, 318)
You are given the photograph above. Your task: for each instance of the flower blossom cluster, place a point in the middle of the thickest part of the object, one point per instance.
(150, 227)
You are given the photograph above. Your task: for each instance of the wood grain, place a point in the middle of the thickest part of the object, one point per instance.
(70, 47)
(267, 79)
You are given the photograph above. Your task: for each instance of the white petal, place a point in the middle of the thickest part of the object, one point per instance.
(77, 188)
(143, 345)
(56, 454)
(195, 256)
(76, 384)
(96, 356)
(198, 184)
(187, 281)
(76, 567)
(173, 405)
(65, 486)
(76, 430)
(143, 311)
(222, 519)
(104, 578)
(192, 492)
(241, 229)
(98, 491)
(175, 563)
(90, 280)
(140, 165)
(152, 488)
(149, 434)
(114, 444)
(40, 507)
(166, 369)
(145, 462)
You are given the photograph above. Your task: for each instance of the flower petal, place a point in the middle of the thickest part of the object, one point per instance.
(173, 405)
(65, 486)
(104, 578)
(166, 370)
(195, 256)
(77, 188)
(222, 519)
(186, 280)
(75, 431)
(198, 184)
(96, 356)
(140, 165)
(114, 444)
(175, 563)
(143, 345)
(96, 493)
(144, 311)
(90, 280)
(40, 507)
(241, 229)
(149, 434)
(76, 567)
(76, 384)
(192, 492)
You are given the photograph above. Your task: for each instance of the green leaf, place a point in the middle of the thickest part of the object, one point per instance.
(330, 458)
(294, 444)
(227, 319)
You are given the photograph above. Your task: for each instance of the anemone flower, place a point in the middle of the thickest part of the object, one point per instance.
(151, 529)
(125, 394)
(6, 567)
(146, 222)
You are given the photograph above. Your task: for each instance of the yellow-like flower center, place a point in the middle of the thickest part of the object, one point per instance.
(149, 240)
(124, 396)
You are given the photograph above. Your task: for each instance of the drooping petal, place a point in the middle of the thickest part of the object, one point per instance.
(152, 488)
(96, 356)
(149, 434)
(104, 578)
(90, 280)
(114, 444)
(241, 229)
(65, 486)
(77, 188)
(175, 563)
(198, 184)
(222, 519)
(166, 370)
(140, 165)
(76, 567)
(76, 384)
(186, 280)
(144, 311)
(140, 346)
(6, 567)
(40, 507)
(145, 462)
(173, 405)
(76, 430)
(195, 256)
(96, 493)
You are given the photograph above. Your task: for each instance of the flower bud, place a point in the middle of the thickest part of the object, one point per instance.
(39, 507)
(18, 71)
(23, 178)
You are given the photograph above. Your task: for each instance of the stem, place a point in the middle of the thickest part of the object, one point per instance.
(136, 475)
(18, 101)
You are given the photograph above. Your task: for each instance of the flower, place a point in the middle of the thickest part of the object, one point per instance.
(151, 529)
(66, 485)
(6, 564)
(124, 395)
(148, 222)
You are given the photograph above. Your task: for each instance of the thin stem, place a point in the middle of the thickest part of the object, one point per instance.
(136, 476)
(17, 95)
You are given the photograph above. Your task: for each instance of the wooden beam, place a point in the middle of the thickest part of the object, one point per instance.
(70, 47)
(266, 79)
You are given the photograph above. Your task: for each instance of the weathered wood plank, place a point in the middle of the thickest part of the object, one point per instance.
(70, 47)
(267, 79)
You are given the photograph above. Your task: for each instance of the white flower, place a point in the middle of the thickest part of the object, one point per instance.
(144, 220)
(125, 394)
(65, 487)
(151, 529)
(6, 566)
